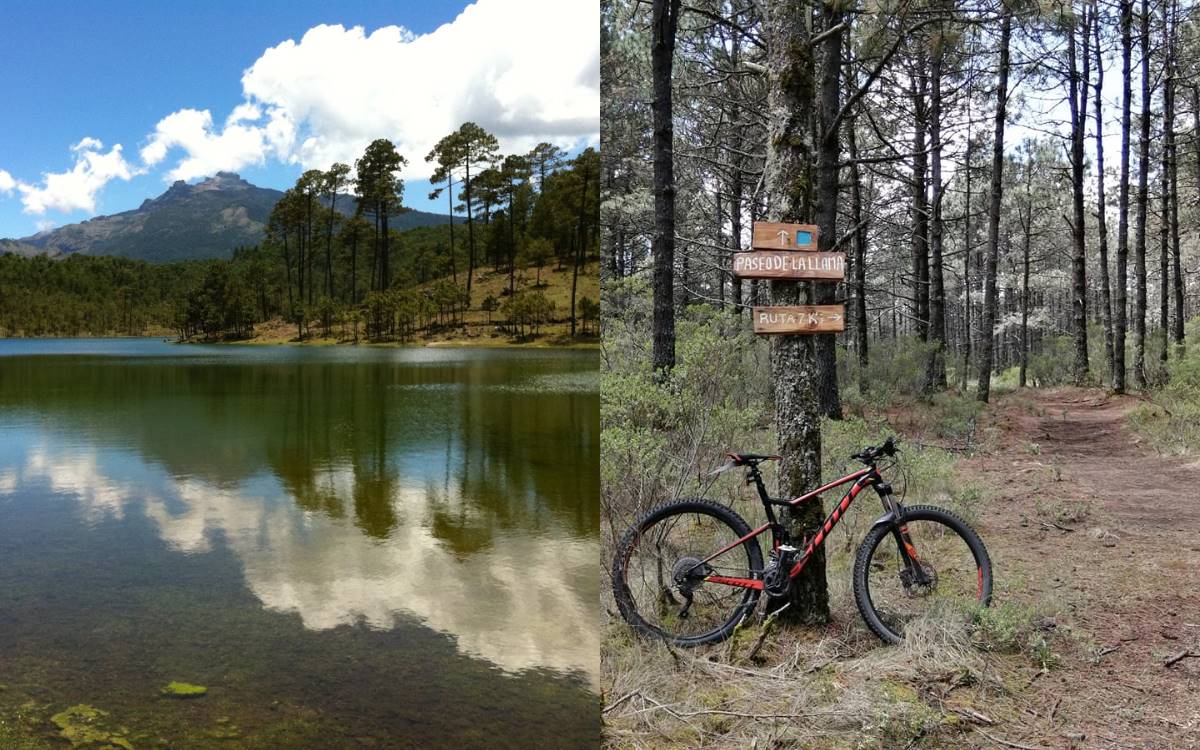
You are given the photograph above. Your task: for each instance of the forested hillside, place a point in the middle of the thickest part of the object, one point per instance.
(956, 156)
(91, 295)
(338, 262)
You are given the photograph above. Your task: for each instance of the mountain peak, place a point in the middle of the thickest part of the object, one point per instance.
(205, 220)
(223, 181)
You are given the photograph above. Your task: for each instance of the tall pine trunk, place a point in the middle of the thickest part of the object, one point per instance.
(987, 341)
(935, 373)
(1143, 196)
(920, 202)
(828, 189)
(1078, 105)
(967, 250)
(1027, 231)
(662, 54)
(1120, 305)
(1101, 208)
(859, 282)
(734, 145)
(1173, 153)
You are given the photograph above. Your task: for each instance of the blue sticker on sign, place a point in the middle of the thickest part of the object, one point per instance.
(803, 238)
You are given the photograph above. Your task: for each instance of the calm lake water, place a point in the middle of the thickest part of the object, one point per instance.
(349, 547)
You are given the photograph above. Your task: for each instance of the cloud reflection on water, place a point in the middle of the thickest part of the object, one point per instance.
(516, 601)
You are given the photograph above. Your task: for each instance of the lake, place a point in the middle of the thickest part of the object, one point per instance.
(348, 547)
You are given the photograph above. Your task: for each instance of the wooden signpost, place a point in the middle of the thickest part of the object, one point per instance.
(771, 235)
(800, 319)
(789, 252)
(784, 264)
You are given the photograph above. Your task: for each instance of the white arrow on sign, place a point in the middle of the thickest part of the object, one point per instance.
(783, 236)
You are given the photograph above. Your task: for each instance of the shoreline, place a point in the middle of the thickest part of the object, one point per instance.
(468, 343)
(440, 344)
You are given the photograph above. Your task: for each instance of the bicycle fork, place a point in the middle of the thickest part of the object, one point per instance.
(894, 517)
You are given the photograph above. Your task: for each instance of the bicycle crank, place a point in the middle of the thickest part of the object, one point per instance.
(777, 580)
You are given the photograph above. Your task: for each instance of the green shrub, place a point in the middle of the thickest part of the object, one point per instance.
(895, 371)
(1171, 421)
(661, 438)
(1014, 628)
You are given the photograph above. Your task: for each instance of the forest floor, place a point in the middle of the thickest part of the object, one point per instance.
(1093, 640)
(1107, 531)
(478, 328)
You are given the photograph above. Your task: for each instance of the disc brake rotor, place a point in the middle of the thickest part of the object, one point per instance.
(914, 587)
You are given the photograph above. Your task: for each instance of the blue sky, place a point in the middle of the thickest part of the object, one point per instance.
(168, 75)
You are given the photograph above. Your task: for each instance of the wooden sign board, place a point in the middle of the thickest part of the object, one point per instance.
(769, 235)
(782, 264)
(800, 319)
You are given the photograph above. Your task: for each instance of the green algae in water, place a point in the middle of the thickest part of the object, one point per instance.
(184, 690)
(81, 726)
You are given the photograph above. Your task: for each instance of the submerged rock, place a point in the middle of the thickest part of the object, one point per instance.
(80, 725)
(184, 690)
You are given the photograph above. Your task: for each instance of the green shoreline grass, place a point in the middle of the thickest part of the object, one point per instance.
(451, 343)
(440, 344)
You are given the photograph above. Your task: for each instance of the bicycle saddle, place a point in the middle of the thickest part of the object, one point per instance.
(751, 459)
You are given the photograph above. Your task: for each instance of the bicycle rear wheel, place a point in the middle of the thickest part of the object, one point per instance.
(948, 581)
(658, 574)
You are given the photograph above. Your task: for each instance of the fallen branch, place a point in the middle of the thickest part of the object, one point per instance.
(973, 715)
(1052, 525)
(1006, 743)
(1185, 654)
(1054, 709)
(619, 701)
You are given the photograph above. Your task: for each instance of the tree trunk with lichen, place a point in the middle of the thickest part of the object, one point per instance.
(795, 370)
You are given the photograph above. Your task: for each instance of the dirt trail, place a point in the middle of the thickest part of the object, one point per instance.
(1084, 518)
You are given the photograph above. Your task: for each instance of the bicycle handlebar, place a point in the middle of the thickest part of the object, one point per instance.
(869, 454)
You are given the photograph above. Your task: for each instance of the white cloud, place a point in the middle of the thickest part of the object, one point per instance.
(245, 112)
(207, 151)
(527, 70)
(76, 189)
(88, 144)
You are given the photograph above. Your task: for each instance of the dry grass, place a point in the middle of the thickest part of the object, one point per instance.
(479, 328)
(838, 686)
(834, 688)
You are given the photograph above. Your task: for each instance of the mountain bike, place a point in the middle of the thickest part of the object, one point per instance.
(690, 571)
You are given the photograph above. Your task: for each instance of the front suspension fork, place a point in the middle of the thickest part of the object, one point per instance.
(904, 543)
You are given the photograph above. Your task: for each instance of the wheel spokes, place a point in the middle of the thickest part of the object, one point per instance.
(674, 598)
(939, 587)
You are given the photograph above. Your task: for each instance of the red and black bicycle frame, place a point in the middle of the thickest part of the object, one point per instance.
(865, 477)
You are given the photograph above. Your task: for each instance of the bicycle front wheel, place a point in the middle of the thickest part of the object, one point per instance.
(661, 572)
(928, 570)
